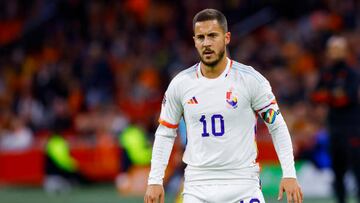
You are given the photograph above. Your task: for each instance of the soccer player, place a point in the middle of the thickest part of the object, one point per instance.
(220, 100)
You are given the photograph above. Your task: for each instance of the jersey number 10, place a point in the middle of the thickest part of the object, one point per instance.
(216, 118)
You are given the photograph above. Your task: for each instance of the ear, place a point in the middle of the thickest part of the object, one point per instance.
(227, 38)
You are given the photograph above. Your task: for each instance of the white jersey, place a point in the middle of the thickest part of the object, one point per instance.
(221, 116)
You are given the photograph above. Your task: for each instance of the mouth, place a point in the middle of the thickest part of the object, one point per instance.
(208, 53)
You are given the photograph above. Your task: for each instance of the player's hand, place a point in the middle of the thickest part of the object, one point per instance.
(292, 189)
(154, 194)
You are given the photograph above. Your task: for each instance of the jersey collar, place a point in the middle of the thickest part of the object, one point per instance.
(224, 74)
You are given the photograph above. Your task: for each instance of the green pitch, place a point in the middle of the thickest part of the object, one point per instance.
(89, 194)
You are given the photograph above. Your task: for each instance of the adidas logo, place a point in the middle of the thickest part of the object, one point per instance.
(192, 101)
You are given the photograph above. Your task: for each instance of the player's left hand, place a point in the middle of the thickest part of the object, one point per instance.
(292, 189)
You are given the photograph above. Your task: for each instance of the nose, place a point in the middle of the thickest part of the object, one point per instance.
(207, 42)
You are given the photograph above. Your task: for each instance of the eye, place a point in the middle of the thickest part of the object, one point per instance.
(200, 37)
(213, 35)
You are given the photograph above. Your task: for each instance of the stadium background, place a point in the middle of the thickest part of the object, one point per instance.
(95, 70)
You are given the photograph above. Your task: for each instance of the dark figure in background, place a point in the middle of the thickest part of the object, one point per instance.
(338, 88)
(61, 169)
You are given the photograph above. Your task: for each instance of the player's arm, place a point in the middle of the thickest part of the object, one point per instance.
(171, 112)
(164, 141)
(264, 103)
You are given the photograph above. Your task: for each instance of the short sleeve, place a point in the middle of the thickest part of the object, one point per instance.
(171, 109)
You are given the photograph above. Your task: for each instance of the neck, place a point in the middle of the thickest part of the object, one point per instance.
(214, 71)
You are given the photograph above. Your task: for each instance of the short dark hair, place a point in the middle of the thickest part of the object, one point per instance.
(211, 14)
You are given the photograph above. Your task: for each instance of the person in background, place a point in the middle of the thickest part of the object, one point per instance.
(18, 137)
(137, 150)
(136, 157)
(338, 89)
(61, 169)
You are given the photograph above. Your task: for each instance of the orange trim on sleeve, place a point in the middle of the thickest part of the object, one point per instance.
(169, 125)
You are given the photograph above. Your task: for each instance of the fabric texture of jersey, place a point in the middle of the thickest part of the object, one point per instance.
(221, 116)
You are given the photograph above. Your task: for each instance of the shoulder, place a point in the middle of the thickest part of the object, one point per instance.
(248, 73)
(181, 80)
(184, 76)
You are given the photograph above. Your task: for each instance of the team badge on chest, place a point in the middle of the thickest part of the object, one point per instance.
(231, 99)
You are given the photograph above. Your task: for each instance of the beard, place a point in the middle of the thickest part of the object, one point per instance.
(215, 61)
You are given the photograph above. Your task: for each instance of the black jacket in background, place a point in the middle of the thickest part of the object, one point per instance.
(338, 87)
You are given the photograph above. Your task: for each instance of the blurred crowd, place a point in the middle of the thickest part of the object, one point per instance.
(91, 68)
